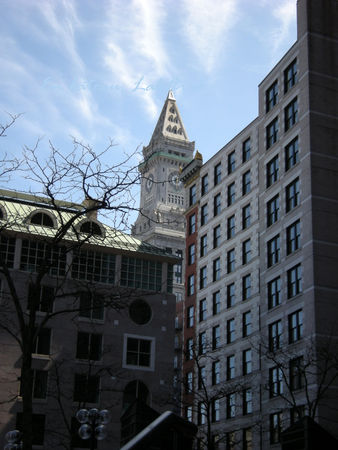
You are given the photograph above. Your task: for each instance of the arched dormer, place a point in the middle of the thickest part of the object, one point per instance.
(169, 128)
(90, 227)
(43, 219)
(171, 118)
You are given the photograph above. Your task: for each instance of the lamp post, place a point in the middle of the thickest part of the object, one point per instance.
(14, 440)
(93, 424)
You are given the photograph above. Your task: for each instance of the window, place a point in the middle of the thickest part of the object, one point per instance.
(89, 346)
(216, 302)
(292, 195)
(91, 306)
(42, 219)
(190, 316)
(139, 352)
(216, 372)
(40, 298)
(231, 162)
(90, 227)
(247, 401)
(291, 154)
(34, 254)
(296, 413)
(291, 114)
(215, 410)
(296, 373)
(192, 224)
(191, 285)
(91, 265)
(217, 204)
(204, 184)
(275, 381)
(290, 76)
(38, 427)
(203, 310)
(274, 293)
(273, 251)
(203, 277)
(246, 324)
(295, 326)
(271, 96)
(272, 133)
(7, 251)
(230, 367)
(275, 427)
(247, 362)
(188, 413)
(231, 194)
(201, 410)
(231, 331)
(293, 237)
(246, 217)
(86, 388)
(247, 439)
(217, 174)
(201, 377)
(230, 439)
(246, 149)
(231, 405)
(41, 346)
(189, 349)
(216, 337)
(272, 210)
(192, 195)
(204, 245)
(217, 236)
(294, 279)
(230, 295)
(246, 287)
(204, 214)
(202, 343)
(188, 382)
(231, 260)
(272, 169)
(275, 335)
(178, 267)
(246, 182)
(231, 227)
(40, 382)
(191, 254)
(216, 269)
(246, 251)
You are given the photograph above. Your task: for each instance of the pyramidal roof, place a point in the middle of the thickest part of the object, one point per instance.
(170, 124)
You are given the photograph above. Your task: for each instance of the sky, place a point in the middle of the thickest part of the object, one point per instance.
(100, 70)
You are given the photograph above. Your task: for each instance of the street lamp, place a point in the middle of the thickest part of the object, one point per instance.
(93, 424)
(14, 440)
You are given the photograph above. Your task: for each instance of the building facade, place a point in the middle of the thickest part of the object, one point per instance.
(261, 332)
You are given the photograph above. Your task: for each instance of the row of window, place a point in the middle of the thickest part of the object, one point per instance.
(293, 376)
(290, 119)
(291, 159)
(292, 244)
(292, 199)
(295, 330)
(290, 79)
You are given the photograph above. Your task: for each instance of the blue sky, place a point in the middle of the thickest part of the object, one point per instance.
(102, 69)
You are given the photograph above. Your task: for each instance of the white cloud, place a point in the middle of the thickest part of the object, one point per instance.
(285, 13)
(206, 27)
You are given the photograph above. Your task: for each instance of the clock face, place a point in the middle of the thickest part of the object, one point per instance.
(174, 180)
(149, 182)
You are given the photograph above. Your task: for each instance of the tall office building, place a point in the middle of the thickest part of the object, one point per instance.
(261, 255)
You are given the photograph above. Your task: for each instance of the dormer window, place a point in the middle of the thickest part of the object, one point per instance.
(42, 219)
(90, 227)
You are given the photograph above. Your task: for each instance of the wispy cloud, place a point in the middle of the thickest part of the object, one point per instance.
(206, 26)
(285, 12)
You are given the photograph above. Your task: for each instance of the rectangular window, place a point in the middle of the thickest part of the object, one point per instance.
(204, 184)
(246, 324)
(7, 251)
(246, 150)
(89, 346)
(246, 217)
(231, 227)
(275, 381)
(217, 174)
(296, 413)
(201, 413)
(275, 335)
(231, 260)
(290, 76)
(231, 162)
(292, 195)
(231, 367)
(188, 413)
(38, 427)
(272, 210)
(40, 298)
(40, 383)
(203, 310)
(203, 277)
(246, 183)
(247, 362)
(231, 331)
(91, 305)
(192, 224)
(247, 401)
(204, 245)
(273, 250)
(216, 372)
(272, 133)
(216, 303)
(41, 346)
(246, 251)
(274, 293)
(291, 114)
(202, 343)
(217, 204)
(271, 96)
(231, 405)
(192, 195)
(35, 254)
(216, 337)
(216, 269)
(296, 373)
(272, 169)
(189, 382)
(190, 316)
(293, 237)
(246, 287)
(86, 388)
(295, 326)
(141, 273)
(294, 279)
(191, 285)
(231, 194)
(275, 427)
(247, 439)
(191, 254)
(201, 377)
(217, 236)
(291, 154)
(178, 267)
(204, 214)
(215, 410)
(189, 349)
(230, 295)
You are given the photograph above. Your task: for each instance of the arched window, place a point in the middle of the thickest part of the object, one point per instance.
(180, 131)
(90, 227)
(170, 118)
(169, 128)
(42, 219)
(135, 390)
(174, 130)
